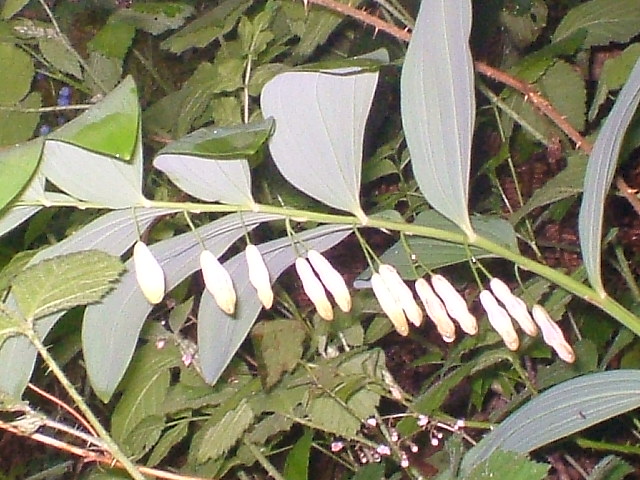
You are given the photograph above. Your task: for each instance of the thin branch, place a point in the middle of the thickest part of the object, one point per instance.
(65, 407)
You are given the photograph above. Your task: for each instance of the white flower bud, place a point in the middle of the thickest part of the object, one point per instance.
(389, 304)
(331, 279)
(259, 275)
(514, 305)
(455, 304)
(148, 273)
(402, 293)
(218, 282)
(436, 310)
(552, 334)
(499, 320)
(314, 289)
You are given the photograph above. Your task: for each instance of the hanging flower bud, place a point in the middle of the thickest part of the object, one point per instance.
(314, 289)
(402, 293)
(499, 320)
(552, 334)
(389, 304)
(436, 310)
(259, 275)
(148, 273)
(455, 304)
(218, 282)
(331, 279)
(514, 305)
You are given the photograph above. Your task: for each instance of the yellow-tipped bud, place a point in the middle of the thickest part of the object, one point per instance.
(514, 305)
(148, 273)
(436, 310)
(390, 305)
(259, 275)
(455, 304)
(331, 279)
(552, 334)
(218, 282)
(499, 320)
(314, 289)
(402, 293)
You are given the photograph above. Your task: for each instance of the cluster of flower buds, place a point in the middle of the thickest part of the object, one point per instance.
(316, 273)
(444, 306)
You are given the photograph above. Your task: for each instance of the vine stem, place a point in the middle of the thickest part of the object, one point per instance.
(109, 443)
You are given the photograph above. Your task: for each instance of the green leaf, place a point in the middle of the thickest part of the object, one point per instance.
(438, 105)
(207, 27)
(600, 170)
(611, 468)
(11, 7)
(113, 40)
(562, 410)
(223, 434)
(145, 388)
(64, 282)
(567, 183)
(169, 439)
(108, 128)
(508, 465)
(58, 55)
(279, 347)
(219, 335)
(320, 119)
(16, 80)
(111, 328)
(154, 17)
(564, 87)
(9, 327)
(297, 464)
(17, 165)
(604, 21)
(16, 265)
(19, 126)
(372, 471)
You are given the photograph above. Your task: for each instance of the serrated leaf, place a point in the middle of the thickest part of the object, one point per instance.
(438, 106)
(63, 282)
(508, 465)
(58, 55)
(268, 427)
(222, 435)
(108, 128)
(15, 81)
(145, 388)
(320, 119)
(565, 184)
(604, 21)
(207, 27)
(154, 17)
(564, 87)
(94, 177)
(16, 265)
(600, 170)
(112, 233)
(219, 335)
(17, 165)
(562, 410)
(111, 328)
(279, 347)
(169, 439)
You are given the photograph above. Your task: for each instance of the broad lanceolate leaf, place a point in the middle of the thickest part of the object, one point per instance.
(211, 164)
(63, 282)
(219, 335)
(112, 233)
(109, 128)
(17, 166)
(438, 105)
(560, 411)
(110, 329)
(604, 21)
(320, 119)
(94, 177)
(508, 465)
(600, 170)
